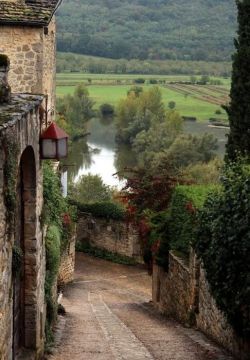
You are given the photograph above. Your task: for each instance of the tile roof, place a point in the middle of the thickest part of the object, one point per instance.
(28, 12)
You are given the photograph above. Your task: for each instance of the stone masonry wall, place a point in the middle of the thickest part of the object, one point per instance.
(184, 294)
(213, 322)
(22, 126)
(67, 265)
(171, 291)
(112, 235)
(32, 60)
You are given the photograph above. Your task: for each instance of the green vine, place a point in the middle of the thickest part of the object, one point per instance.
(223, 243)
(11, 150)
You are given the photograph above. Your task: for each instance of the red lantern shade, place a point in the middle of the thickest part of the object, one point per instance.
(54, 143)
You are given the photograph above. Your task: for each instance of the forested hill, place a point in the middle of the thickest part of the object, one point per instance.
(148, 29)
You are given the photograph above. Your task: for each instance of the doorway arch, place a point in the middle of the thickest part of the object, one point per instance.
(25, 280)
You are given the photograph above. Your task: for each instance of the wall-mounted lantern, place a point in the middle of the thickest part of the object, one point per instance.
(54, 143)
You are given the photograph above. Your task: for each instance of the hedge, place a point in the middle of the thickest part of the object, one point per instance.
(107, 210)
(223, 243)
(186, 200)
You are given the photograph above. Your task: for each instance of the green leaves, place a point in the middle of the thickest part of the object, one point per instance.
(224, 245)
(107, 210)
(239, 110)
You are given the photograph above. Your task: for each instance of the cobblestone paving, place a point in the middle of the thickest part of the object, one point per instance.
(110, 317)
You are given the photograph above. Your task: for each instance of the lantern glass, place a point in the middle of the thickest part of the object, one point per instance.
(49, 148)
(62, 148)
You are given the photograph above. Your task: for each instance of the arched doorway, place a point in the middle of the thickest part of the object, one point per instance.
(24, 232)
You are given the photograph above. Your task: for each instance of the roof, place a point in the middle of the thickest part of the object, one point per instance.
(19, 106)
(28, 12)
(54, 132)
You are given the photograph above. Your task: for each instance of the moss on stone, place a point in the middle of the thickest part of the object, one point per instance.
(4, 60)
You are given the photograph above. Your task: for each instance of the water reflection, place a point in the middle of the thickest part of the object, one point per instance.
(102, 163)
(205, 127)
(98, 154)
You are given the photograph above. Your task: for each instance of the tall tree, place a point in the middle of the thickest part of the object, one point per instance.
(239, 108)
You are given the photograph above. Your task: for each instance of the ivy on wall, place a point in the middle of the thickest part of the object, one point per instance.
(224, 245)
(59, 216)
(10, 172)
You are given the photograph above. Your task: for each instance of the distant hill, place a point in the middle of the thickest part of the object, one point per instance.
(148, 29)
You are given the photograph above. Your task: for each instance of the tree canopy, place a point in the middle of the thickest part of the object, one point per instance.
(239, 109)
(146, 29)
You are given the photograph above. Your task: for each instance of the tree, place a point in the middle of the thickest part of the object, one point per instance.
(107, 110)
(137, 90)
(239, 107)
(193, 79)
(190, 149)
(172, 105)
(204, 80)
(137, 112)
(90, 189)
(75, 111)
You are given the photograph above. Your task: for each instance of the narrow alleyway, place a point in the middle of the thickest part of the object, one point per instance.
(109, 317)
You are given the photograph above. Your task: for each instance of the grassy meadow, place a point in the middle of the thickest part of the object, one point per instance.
(201, 101)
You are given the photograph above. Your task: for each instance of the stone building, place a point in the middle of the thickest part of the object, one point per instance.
(27, 36)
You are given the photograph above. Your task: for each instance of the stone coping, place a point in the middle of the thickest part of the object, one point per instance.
(181, 261)
(19, 106)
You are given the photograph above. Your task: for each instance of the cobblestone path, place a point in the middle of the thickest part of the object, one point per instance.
(110, 317)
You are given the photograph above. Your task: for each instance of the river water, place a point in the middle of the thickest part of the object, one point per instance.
(99, 155)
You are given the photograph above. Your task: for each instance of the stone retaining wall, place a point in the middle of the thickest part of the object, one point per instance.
(184, 294)
(171, 292)
(112, 235)
(67, 265)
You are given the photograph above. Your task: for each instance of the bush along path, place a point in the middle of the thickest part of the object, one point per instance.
(110, 317)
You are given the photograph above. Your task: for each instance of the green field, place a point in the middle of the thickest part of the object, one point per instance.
(190, 100)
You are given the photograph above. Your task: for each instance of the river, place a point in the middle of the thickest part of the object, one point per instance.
(99, 154)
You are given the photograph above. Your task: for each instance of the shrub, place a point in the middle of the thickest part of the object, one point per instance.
(107, 110)
(139, 81)
(54, 203)
(153, 81)
(224, 246)
(186, 200)
(91, 189)
(172, 105)
(136, 90)
(59, 217)
(107, 210)
(52, 244)
(159, 239)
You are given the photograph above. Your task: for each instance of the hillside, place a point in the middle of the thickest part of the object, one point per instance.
(148, 29)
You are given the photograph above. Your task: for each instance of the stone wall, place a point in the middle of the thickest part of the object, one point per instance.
(171, 291)
(184, 294)
(112, 235)
(67, 265)
(20, 124)
(32, 60)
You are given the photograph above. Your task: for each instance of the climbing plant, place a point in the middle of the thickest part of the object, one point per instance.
(224, 245)
(10, 171)
(59, 217)
(145, 197)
